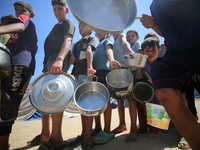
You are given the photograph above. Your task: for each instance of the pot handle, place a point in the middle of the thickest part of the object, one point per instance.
(91, 115)
(89, 81)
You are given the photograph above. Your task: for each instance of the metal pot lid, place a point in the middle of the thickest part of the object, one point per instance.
(52, 93)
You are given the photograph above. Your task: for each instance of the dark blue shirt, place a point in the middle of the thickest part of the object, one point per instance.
(179, 21)
(23, 46)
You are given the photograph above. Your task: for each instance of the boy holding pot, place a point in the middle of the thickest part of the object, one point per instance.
(23, 47)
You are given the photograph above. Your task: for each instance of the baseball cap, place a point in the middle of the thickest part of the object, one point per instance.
(26, 5)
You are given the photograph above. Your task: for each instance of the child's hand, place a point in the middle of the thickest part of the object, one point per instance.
(72, 59)
(91, 72)
(115, 64)
(147, 21)
(56, 67)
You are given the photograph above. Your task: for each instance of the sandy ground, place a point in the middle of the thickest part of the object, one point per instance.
(25, 131)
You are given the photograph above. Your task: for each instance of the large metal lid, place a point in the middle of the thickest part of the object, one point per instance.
(52, 93)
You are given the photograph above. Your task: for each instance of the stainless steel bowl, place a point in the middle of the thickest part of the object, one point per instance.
(135, 60)
(104, 16)
(120, 83)
(91, 98)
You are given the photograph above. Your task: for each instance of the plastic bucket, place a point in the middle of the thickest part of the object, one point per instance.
(157, 116)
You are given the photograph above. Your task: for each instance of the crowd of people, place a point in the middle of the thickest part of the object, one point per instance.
(173, 68)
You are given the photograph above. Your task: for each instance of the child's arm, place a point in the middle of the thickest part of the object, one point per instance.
(147, 22)
(113, 63)
(125, 44)
(58, 64)
(90, 70)
(12, 28)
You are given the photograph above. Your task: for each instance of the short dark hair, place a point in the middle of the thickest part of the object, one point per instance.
(59, 2)
(151, 34)
(7, 19)
(150, 42)
(132, 30)
(26, 5)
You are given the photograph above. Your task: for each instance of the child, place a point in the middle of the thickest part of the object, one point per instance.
(132, 37)
(121, 47)
(103, 62)
(57, 52)
(150, 47)
(182, 56)
(23, 47)
(83, 69)
(5, 20)
(162, 46)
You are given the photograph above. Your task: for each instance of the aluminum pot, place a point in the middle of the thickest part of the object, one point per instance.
(143, 89)
(120, 83)
(135, 60)
(104, 16)
(5, 61)
(52, 93)
(91, 98)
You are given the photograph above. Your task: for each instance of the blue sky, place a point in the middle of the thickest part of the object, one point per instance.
(45, 20)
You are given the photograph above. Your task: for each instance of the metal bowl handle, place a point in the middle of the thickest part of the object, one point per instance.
(91, 115)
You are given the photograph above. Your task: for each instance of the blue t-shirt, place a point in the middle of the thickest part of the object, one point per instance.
(23, 46)
(179, 22)
(100, 60)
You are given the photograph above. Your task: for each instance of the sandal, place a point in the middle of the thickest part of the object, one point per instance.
(36, 141)
(102, 137)
(183, 144)
(75, 141)
(83, 146)
(94, 132)
(50, 146)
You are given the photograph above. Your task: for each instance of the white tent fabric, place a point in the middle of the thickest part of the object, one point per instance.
(26, 110)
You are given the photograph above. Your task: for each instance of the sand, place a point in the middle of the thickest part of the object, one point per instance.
(25, 131)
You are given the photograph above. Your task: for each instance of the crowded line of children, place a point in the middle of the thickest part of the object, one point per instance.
(89, 60)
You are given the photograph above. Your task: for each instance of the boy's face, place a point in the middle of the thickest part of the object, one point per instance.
(60, 12)
(19, 10)
(100, 36)
(116, 35)
(132, 37)
(83, 30)
(152, 53)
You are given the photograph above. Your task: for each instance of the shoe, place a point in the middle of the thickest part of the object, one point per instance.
(183, 144)
(82, 146)
(36, 141)
(94, 132)
(50, 146)
(76, 141)
(102, 137)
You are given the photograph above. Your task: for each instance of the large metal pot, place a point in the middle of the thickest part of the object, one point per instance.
(5, 61)
(104, 16)
(52, 93)
(91, 98)
(135, 60)
(120, 83)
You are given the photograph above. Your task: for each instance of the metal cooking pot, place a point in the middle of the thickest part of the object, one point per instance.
(5, 61)
(104, 16)
(135, 60)
(120, 83)
(143, 89)
(52, 93)
(91, 98)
